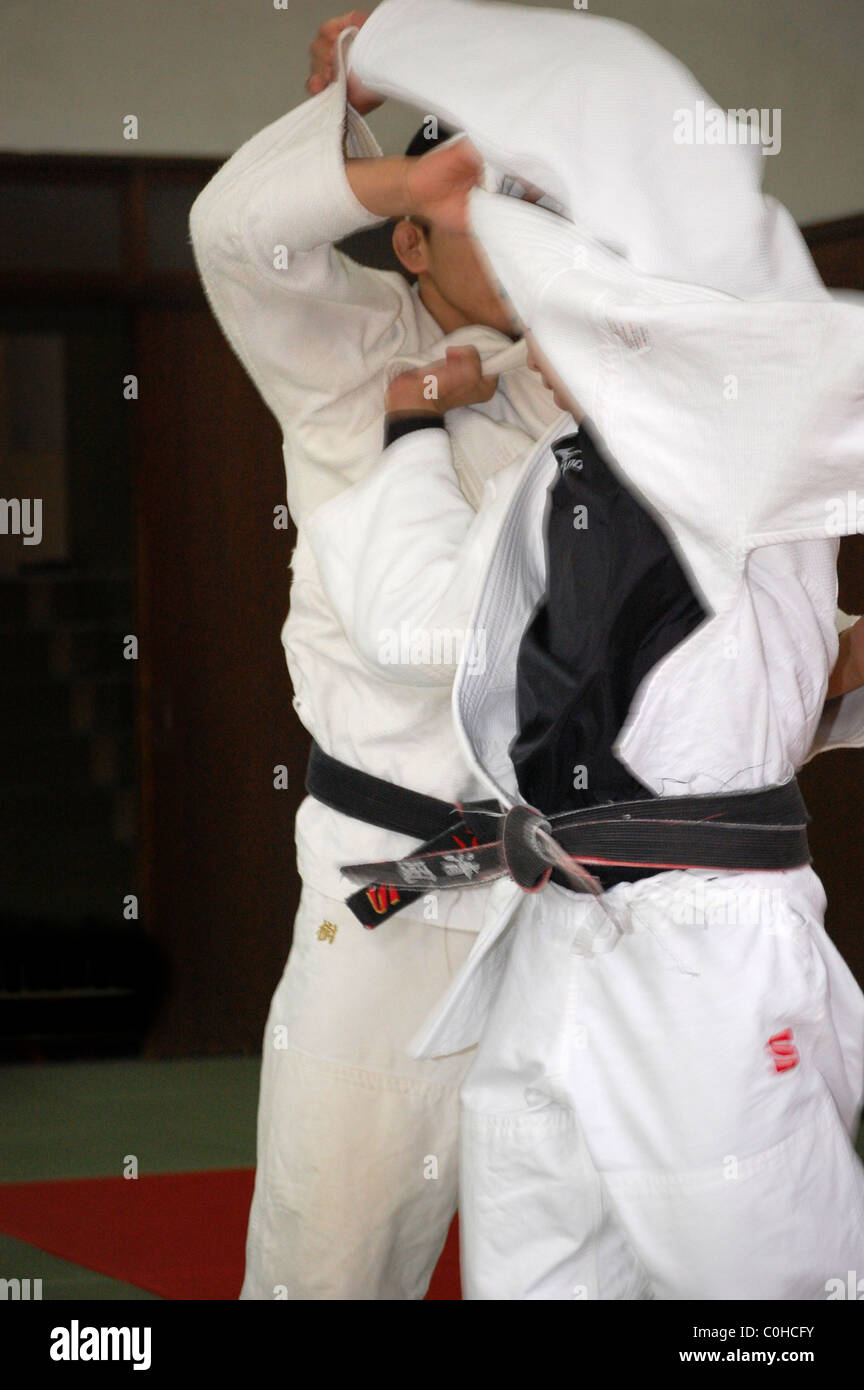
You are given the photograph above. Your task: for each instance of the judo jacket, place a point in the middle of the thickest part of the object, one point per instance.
(321, 336)
(739, 422)
(746, 484)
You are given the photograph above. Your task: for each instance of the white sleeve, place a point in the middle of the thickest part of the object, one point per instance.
(842, 721)
(843, 620)
(401, 555)
(583, 107)
(841, 724)
(595, 113)
(742, 423)
(809, 482)
(310, 326)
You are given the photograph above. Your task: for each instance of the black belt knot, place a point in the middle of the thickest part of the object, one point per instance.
(521, 847)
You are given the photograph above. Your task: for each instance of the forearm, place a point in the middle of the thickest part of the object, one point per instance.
(263, 234)
(848, 673)
(379, 184)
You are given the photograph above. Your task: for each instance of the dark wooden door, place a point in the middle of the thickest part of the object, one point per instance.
(218, 880)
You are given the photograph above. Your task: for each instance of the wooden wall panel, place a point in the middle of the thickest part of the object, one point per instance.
(219, 886)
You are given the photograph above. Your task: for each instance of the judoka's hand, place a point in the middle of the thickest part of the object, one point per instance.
(437, 184)
(322, 62)
(455, 380)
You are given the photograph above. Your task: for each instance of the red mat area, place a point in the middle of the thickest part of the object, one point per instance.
(179, 1235)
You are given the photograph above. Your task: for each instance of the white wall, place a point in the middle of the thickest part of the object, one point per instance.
(203, 75)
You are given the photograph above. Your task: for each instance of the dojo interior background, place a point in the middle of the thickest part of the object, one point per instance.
(154, 777)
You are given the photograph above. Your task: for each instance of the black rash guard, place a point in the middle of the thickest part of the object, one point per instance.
(617, 601)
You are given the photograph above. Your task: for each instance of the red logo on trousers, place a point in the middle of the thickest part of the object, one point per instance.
(783, 1050)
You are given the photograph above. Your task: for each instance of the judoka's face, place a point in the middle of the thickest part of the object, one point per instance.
(453, 283)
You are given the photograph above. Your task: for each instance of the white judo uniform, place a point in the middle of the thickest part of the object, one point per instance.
(664, 1098)
(357, 1141)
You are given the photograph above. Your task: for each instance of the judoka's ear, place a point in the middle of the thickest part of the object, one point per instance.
(411, 245)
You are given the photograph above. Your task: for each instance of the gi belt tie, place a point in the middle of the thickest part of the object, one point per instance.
(477, 842)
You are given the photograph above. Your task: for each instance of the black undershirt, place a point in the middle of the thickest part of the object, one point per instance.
(398, 423)
(617, 601)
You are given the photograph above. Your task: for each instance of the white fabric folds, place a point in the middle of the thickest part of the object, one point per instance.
(681, 310)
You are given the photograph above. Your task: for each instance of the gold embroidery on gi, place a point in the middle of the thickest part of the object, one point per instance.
(327, 932)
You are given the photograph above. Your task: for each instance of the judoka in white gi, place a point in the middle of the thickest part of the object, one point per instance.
(357, 1142)
(669, 1076)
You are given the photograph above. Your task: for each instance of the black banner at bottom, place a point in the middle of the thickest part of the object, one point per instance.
(162, 1340)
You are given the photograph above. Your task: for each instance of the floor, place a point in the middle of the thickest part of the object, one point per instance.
(83, 1120)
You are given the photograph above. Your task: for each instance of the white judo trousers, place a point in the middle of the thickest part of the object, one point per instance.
(356, 1148)
(357, 1176)
(630, 1130)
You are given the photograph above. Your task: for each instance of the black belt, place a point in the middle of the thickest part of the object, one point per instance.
(476, 842)
(439, 824)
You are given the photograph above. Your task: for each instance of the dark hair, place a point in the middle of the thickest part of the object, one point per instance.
(422, 143)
